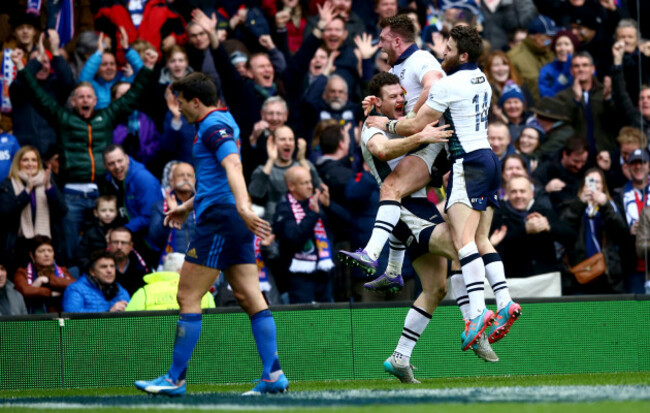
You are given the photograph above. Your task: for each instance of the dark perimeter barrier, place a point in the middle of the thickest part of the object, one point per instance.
(322, 342)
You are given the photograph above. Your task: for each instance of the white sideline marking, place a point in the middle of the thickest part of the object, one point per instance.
(549, 394)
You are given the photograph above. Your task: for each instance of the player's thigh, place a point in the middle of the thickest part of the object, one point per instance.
(245, 284)
(410, 175)
(441, 242)
(432, 271)
(195, 281)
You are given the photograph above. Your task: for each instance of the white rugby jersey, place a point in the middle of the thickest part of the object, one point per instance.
(410, 73)
(381, 169)
(464, 99)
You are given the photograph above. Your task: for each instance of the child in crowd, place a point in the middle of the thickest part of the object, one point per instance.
(94, 237)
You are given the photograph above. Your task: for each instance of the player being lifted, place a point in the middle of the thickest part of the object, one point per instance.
(420, 227)
(463, 98)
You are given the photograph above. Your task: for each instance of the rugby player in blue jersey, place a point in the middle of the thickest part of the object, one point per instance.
(225, 224)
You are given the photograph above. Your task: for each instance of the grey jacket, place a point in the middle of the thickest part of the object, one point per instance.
(14, 298)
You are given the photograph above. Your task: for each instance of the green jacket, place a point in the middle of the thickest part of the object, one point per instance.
(528, 58)
(83, 141)
(160, 293)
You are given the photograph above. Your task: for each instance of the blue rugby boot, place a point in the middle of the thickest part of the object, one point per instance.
(504, 319)
(162, 385)
(359, 258)
(264, 386)
(475, 327)
(386, 283)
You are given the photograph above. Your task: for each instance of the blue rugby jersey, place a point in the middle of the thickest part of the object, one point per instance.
(217, 137)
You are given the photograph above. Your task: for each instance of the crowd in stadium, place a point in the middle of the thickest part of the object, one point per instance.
(94, 149)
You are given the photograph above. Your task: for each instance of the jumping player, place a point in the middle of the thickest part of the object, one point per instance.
(225, 224)
(463, 98)
(421, 227)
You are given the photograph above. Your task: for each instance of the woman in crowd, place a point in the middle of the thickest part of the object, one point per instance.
(514, 111)
(601, 228)
(499, 70)
(289, 14)
(556, 76)
(31, 205)
(42, 282)
(529, 142)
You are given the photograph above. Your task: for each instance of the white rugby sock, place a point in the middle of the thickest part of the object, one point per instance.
(395, 257)
(497, 278)
(474, 276)
(460, 292)
(387, 218)
(416, 321)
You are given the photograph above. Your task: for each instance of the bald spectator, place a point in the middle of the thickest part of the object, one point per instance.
(532, 230)
(301, 229)
(267, 185)
(499, 138)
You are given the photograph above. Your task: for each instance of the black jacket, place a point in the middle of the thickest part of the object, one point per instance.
(526, 254)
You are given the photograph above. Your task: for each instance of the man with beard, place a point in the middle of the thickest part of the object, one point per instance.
(98, 291)
(417, 71)
(463, 98)
(167, 240)
(83, 134)
(129, 265)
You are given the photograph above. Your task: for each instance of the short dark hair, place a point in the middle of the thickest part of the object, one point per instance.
(586, 55)
(330, 138)
(39, 240)
(380, 80)
(121, 229)
(110, 148)
(401, 25)
(98, 255)
(469, 41)
(576, 144)
(197, 85)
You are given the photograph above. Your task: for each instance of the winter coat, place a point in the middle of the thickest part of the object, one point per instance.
(83, 296)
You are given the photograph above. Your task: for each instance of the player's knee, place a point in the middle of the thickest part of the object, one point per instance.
(483, 244)
(390, 190)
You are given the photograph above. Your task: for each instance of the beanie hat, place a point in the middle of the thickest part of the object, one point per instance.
(511, 90)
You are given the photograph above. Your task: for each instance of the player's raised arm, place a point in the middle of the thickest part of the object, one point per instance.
(234, 171)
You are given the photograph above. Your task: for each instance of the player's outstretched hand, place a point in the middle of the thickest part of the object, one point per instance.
(378, 122)
(255, 224)
(434, 134)
(368, 104)
(175, 217)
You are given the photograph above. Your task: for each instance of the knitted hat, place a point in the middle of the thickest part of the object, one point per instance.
(585, 16)
(511, 90)
(533, 123)
(542, 25)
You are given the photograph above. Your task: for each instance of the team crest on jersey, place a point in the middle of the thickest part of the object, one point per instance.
(401, 74)
(477, 80)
